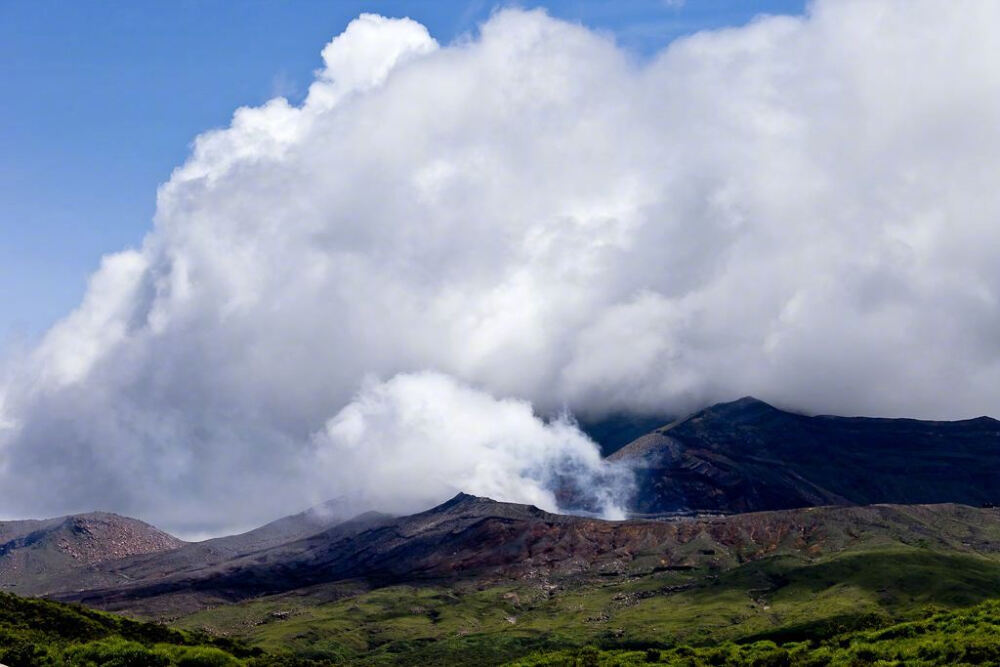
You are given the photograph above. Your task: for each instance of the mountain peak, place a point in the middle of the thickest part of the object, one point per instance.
(749, 401)
(461, 500)
(746, 409)
(32, 550)
(461, 497)
(747, 455)
(464, 504)
(744, 404)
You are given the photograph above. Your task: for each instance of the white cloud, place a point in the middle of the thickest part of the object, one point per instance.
(418, 438)
(802, 209)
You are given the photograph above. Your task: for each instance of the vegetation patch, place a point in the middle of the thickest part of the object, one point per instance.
(771, 605)
(963, 637)
(39, 633)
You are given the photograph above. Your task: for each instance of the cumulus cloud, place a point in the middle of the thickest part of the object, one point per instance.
(801, 208)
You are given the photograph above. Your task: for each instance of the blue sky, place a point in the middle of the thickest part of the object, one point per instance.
(102, 99)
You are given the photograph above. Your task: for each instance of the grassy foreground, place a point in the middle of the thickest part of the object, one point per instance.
(966, 637)
(729, 616)
(878, 602)
(35, 633)
(39, 633)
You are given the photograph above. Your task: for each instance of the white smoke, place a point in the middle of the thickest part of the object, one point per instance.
(418, 438)
(802, 209)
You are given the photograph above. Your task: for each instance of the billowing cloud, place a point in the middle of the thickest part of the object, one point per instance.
(418, 438)
(802, 209)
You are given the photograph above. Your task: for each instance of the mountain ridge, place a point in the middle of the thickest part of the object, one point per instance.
(747, 455)
(746, 459)
(471, 538)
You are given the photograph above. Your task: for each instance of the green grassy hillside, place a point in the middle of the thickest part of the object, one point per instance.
(490, 583)
(38, 633)
(965, 637)
(900, 606)
(783, 598)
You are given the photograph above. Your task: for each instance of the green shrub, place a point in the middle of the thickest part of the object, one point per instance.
(115, 653)
(202, 656)
(981, 651)
(589, 656)
(25, 654)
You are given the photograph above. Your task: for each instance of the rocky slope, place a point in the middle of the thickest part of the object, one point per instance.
(477, 538)
(749, 456)
(104, 549)
(33, 552)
